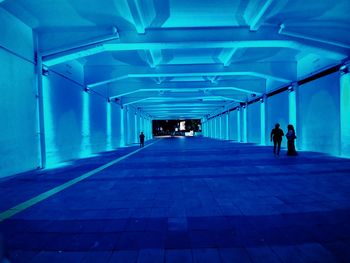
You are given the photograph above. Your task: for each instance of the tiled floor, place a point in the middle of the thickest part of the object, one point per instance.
(186, 200)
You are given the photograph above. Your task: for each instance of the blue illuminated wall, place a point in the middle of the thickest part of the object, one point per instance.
(318, 115)
(277, 111)
(253, 123)
(63, 111)
(78, 124)
(19, 139)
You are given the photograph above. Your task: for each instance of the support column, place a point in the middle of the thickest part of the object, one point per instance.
(122, 127)
(292, 106)
(209, 129)
(40, 104)
(345, 111)
(203, 127)
(128, 126)
(213, 128)
(108, 127)
(263, 121)
(150, 129)
(227, 126)
(216, 128)
(220, 127)
(244, 136)
(85, 126)
(239, 138)
(136, 128)
(143, 124)
(292, 118)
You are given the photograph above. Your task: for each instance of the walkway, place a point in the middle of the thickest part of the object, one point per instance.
(185, 200)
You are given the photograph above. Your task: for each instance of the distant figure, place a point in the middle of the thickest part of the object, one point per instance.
(276, 136)
(142, 139)
(291, 137)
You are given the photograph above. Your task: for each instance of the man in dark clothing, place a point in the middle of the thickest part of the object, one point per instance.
(276, 136)
(142, 139)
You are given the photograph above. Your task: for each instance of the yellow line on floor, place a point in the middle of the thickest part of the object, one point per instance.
(41, 197)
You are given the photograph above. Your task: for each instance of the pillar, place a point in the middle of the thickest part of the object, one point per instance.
(227, 125)
(263, 121)
(213, 128)
(122, 127)
(109, 126)
(136, 128)
(292, 106)
(292, 117)
(239, 125)
(244, 135)
(345, 112)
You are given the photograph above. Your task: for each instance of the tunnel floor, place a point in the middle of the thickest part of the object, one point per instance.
(185, 200)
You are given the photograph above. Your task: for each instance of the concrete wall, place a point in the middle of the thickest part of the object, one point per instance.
(318, 115)
(78, 123)
(19, 140)
(63, 114)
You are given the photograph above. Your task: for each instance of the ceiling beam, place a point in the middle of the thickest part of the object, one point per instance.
(258, 19)
(202, 38)
(160, 99)
(226, 56)
(284, 31)
(182, 90)
(137, 16)
(279, 71)
(97, 42)
(256, 86)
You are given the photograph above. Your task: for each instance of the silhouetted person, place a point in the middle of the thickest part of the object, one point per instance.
(276, 136)
(291, 137)
(142, 139)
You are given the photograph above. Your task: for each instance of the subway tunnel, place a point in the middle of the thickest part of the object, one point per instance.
(205, 82)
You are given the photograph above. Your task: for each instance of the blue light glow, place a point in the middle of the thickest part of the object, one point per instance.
(345, 114)
(109, 127)
(122, 128)
(262, 124)
(52, 158)
(136, 128)
(244, 137)
(227, 127)
(239, 126)
(292, 109)
(85, 125)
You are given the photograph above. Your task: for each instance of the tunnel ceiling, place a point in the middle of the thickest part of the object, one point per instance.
(189, 58)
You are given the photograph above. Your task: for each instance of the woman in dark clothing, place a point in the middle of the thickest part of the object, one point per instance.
(291, 137)
(276, 136)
